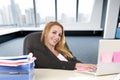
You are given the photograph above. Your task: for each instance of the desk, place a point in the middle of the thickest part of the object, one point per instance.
(55, 74)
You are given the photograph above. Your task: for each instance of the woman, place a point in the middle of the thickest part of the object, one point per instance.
(54, 53)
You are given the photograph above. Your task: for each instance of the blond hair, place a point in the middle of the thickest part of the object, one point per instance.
(60, 46)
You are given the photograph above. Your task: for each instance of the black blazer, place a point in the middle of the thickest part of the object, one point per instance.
(45, 58)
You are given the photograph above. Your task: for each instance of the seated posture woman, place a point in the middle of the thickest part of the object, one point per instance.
(53, 52)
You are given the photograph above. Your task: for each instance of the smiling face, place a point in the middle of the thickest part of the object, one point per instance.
(53, 36)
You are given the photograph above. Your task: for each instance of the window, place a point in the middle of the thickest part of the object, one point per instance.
(85, 10)
(23, 12)
(45, 11)
(6, 17)
(66, 11)
(28, 13)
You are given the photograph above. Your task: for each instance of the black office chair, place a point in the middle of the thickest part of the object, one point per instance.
(32, 41)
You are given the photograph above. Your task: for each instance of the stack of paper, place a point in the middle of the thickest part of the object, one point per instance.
(17, 60)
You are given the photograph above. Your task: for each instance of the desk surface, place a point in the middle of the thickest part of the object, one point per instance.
(55, 74)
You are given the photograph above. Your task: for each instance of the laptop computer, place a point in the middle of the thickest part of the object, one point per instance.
(108, 58)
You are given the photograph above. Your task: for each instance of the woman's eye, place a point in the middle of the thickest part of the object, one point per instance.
(54, 32)
(60, 35)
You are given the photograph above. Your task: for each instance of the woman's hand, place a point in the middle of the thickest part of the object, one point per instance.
(85, 67)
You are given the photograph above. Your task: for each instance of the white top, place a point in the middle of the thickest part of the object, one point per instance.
(62, 58)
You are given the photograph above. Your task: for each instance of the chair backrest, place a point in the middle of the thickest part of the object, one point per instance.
(31, 41)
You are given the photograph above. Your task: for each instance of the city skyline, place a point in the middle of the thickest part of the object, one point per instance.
(12, 14)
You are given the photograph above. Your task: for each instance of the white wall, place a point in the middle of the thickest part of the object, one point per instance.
(111, 18)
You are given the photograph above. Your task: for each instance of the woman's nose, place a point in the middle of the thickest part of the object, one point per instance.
(57, 37)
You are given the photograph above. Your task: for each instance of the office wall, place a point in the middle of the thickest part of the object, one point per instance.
(111, 18)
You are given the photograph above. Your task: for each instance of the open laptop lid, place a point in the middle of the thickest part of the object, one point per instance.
(108, 57)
